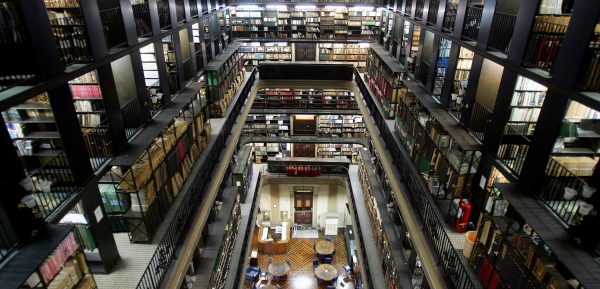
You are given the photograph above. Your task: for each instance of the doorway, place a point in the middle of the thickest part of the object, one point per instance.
(306, 51)
(303, 203)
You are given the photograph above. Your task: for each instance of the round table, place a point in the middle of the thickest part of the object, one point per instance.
(324, 247)
(267, 286)
(326, 272)
(279, 268)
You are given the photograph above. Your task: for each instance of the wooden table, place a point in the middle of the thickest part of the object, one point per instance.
(279, 268)
(326, 272)
(324, 247)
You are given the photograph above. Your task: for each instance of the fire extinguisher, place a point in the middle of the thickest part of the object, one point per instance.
(463, 214)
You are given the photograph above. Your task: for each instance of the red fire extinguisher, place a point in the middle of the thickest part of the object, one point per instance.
(463, 214)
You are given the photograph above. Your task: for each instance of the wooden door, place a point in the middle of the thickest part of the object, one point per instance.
(304, 125)
(304, 150)
(306, 51)
(303, 203)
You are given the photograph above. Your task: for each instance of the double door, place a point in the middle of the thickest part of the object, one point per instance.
(303, 203)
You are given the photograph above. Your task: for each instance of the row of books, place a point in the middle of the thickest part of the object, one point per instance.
(61, 3)
(86, 92)
(54, 263)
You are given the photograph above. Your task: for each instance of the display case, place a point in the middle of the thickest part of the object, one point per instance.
(242, 171)
(149, 185)
(385, 75)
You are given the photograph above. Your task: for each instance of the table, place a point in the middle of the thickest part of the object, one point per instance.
(279, 268)
(268, 286)
(326, 272)
(324, 247)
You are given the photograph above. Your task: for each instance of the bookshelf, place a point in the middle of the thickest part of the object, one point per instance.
(385, 75)
(264, 150)
(580, 132)
(221, 268)
(349, 126)
(242, 171)
(590, 72)
(527, 101)
(338, 151)
(273, 125)
(441, 66)
(87, 97)
(151, 75)
(413, 51)
(254, 52)
(300, 98)
(345, 52)
(445, 154)
(305, 22)
(64, 267)
(546, 36)
(223, 78)
(149, 184)
(171, 63)
(68, 29)
(460, 81)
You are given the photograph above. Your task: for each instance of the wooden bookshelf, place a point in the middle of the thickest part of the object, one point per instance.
(276, 125)
(461, 81)
(221, 268)
(242, 171)
(151, 75)
(526, 105)
(305, 22)
(413, 51)
(300, 98)
(224, 75)
(338, 151)
(254, 52)
(171, 63)
(385, 75)
(349, 126)
(344, 52)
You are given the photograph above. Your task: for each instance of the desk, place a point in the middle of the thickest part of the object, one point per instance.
(266, 244)
(279, 268)
(326, 272)
(324, 247)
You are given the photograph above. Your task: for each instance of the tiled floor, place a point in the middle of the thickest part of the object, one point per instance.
(301, 255)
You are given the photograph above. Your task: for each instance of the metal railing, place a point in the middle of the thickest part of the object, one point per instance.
(164, 14)
(472, 23)
(134, 117)
(114, 29)
(58, 172)
(450, 16)
(179, 10)
(8, 81)
(71, 38)
(193, 8)
(503, 25)
(408, 7)
(233, 2)
(143, 24)
(419, 9)
(557, 178)
(98, 142)
(480, 119)
(544, 43)
(454, 265)
(164, 254)
(432, 15)
(8, 239)
(590, 73)
(513, 156)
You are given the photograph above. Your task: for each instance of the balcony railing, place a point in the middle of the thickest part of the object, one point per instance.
(590, 74)
(419, 9)
(557, 179)
(193, 8)
(98, 142)
(544, 43)
(143, 24)
(134, 117)
(502, 31)
(114, 29)
(472, 23)
(450, 16)
(480, 119)
(58, 172)
(164, 14)
(71, 38)
(432, 15)
(179, 10)
(408, 8)
(233, 2)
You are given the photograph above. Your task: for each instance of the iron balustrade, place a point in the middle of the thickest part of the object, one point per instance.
(71, 38)
(432, 15)
(193, 8)
(134, 116)
(419, 9)
(114, 29)
(164, 14)
(62, 186)
(98, 142)
(480, 119)
(141, 14)
(454, 265)
(450, 16)
(180, 223)
(503, 25)
(408, 8)
(8, 81)
(472, 23)
(557, 178)
(590, 73)
(544, 43)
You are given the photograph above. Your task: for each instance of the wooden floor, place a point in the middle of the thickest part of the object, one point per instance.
(301, 255)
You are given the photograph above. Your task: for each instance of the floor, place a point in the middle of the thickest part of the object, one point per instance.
(301, 255)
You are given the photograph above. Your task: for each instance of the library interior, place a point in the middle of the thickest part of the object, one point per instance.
(300, 144)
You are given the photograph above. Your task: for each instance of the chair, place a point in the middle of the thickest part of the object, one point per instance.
(328, 239)
(315, 263)
(328, 260)
(263, 274)
(252, 273)
(348, 269)
(330, 287)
